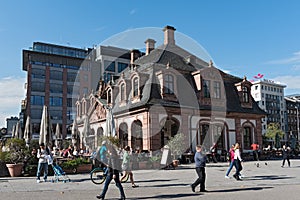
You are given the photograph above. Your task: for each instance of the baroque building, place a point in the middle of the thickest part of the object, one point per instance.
(167, 91)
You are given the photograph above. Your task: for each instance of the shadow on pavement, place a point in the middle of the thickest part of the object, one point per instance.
(168, 196)
(240, 189)
(168, 185)
(271, 177)
(156, 180)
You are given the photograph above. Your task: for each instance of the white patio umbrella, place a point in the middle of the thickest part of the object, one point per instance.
(13, 131)
(74, 135)
(110, 123)
(85, 131)
(45, 128)
(28, 131)
(18, 131)
(58, 137)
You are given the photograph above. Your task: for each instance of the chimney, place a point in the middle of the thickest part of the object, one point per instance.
(134, 55)
(169, 35)
(150, 45)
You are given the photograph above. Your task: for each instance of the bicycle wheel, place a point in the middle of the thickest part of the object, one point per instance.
(125, 179)
(97, 176)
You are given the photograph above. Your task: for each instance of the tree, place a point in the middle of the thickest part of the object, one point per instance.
(274, 133)
(177, 145)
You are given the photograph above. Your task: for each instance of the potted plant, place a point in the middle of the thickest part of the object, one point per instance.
(177, 147)
(78, 165)
(155, 161)
(15, 155)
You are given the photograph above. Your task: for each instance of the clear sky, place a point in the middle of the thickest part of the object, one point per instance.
(242, 37)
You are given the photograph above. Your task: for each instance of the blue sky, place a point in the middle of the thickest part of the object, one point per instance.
(242, 37)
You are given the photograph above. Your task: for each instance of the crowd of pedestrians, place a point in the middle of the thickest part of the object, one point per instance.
(117, 163)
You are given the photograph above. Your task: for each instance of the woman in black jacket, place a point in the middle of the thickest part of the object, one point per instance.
(285, 155)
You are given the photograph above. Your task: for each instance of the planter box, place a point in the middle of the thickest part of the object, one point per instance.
(84, 168)
(143, 165)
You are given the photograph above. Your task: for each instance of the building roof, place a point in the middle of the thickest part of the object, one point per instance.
(165, 57)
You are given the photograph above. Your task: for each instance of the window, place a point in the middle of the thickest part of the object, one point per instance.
(55, 101)
(85, 90)
(71, 77)
(122, 92)
(37, 87)
(109, 66)
(217, 90)
(247, 137)
(245, 95)
(204, 128)
(168, 84)
(56, 114)
(122, 66)
(109, 96)
(56, 75)
(85, 78)
(56, 88)
(107, 77)
(256, 87)
(70, 102)
(37, 100)
(135, 83)
(206, 90)
(38, 73)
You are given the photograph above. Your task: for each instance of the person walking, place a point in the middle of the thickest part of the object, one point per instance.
(286, 155)
(126, 166)
(231, 160)
(237, 162)
(255, 148)
(42, 154)
(113, 173)
(200, 163)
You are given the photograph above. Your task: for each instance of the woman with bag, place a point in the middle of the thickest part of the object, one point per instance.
(237, 161)
(126, 166)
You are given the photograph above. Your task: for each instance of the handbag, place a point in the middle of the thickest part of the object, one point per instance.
(239, 165)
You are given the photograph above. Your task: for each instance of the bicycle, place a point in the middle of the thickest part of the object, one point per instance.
(98, 175)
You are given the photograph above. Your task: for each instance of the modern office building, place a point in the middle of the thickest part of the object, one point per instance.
(270, 97)
(292, 110)
(57, 76)
(10, 122)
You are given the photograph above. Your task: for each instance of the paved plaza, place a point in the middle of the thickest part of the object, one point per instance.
(265, 182)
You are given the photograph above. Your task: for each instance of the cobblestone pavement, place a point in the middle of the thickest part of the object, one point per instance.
(265, 182)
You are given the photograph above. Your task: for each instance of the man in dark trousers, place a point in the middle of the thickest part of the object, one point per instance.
(114, 167)
(200, 162)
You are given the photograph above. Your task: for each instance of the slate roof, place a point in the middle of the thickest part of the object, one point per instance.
(175, 57)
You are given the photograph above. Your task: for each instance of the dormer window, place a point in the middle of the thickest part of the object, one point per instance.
(206, 88)
(168, 84)
(245, 94)
(135, 84)
(217, 90)
(122, 92)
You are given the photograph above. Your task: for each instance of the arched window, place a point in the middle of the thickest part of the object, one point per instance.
(123, 134)
(122, 92)
(137, 135)
(247, 137)
(245, 94)
(168, 84)
(135, 84)
(109, 96)
(206, 88)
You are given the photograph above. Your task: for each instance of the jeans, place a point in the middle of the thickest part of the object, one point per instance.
(117, 181)
(201, 178)
(41, 166)
(230, 168)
